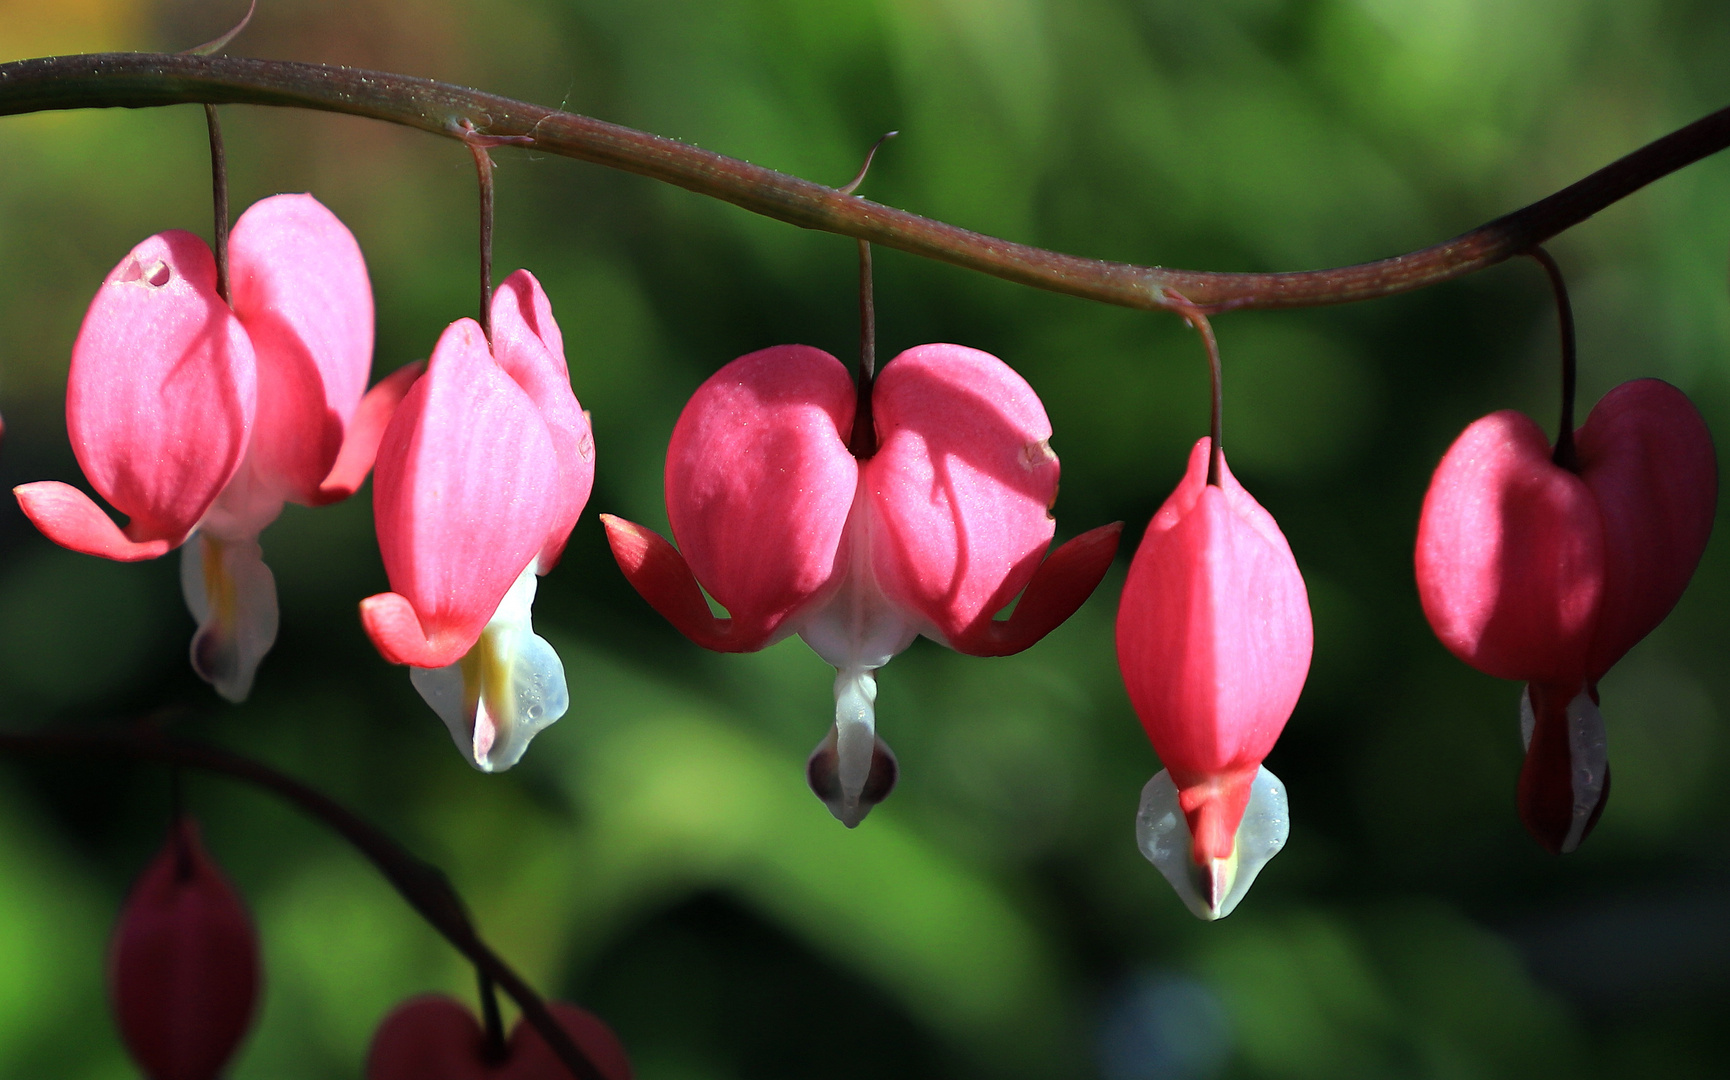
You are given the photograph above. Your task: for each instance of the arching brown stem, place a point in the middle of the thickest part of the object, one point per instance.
(138, 80)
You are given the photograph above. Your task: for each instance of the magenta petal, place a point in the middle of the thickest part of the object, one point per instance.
(159, 402)
(1647, 457)
(68, 517)
(365, 432)
(1214, 640)
(962, 484)
(528, 346)
(465, 492)
(300, 287)
(661, 576)
(1510, 554)
(760, 482)
(1062, 584)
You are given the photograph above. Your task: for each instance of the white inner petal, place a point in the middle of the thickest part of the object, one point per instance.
(508, 687)
(232, 595)
(1162, 833)
(1588, 753)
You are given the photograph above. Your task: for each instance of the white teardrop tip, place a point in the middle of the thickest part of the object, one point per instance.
(232, 595)
(496, 699)
(1214, 891)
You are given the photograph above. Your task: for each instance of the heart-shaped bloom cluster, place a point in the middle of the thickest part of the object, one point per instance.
(1214, 640)
(190, 413)
(1528, 570)
(183, 966)
(481, 475)
(435, 1038)
(934, 533)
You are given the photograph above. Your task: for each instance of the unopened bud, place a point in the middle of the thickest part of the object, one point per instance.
(434, 1037)
(183, 967)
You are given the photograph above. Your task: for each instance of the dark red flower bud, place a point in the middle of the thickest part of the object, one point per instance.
(433, 1037)
(183, 968)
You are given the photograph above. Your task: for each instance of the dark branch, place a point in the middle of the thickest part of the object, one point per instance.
(423, 885)
(138, 80)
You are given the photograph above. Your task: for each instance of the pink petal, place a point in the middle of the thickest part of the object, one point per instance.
(159, 402)
(299, 285)
(1214, 640)
(1647, 457)
(1510, 554)
(760, 482)
(962, 483)
(365, 431)
(1062, 583)
(528, 346)
(659, 573)
(68, 517)
(466, 490)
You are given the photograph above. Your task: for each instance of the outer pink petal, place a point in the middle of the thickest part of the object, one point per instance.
(300, 286)
(760, 483)
(962, 483)
(466, 488)
(68, 517)
(1646, 455)
(159, 402)
(527, 344)
(1510, 554)
(365, 432)
(1214, 641)
(660, 574)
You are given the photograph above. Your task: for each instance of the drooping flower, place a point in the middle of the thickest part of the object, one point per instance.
(183, 966)
(433, 1037)
(1528, 570)
(197, 418)
(934, 533)
(481, 475)
(1214, 639)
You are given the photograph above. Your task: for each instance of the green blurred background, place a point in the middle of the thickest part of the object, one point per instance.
(657, 856)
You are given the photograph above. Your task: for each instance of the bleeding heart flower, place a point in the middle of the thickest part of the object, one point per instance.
(183, 967)
(436, 1038)
(934, 533)
(188, 413)
(481, 475)
(1531, 571)
(1214, 640)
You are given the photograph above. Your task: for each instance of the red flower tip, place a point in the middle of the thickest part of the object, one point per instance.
(433, 1037)
(183, 967)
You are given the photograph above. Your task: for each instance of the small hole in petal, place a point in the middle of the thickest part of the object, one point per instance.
(159, 275)
(130, 272)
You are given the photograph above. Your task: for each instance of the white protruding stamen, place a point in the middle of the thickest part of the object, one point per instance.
(855, 730)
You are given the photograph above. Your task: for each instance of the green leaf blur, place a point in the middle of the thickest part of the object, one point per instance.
(657, 856)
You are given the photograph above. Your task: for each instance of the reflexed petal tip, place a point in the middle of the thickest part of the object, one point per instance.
(1059, 587)
(661, 576)
(365, 432)
(395, 630)
(68, 517)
